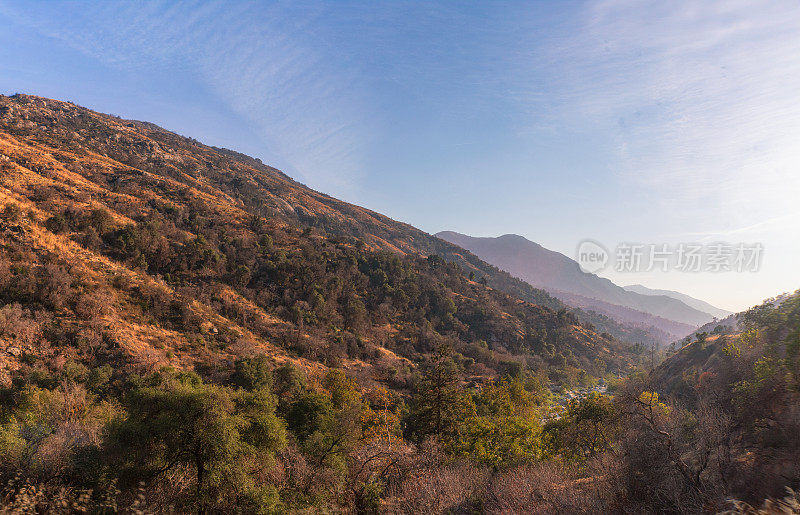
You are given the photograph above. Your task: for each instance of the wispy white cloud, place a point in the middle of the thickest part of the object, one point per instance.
(265, 61)
(777, 223)
(701, 97)
(701, 101)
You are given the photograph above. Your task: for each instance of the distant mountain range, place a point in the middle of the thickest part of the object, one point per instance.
(666, 311)
(663, 330)
(698, 304)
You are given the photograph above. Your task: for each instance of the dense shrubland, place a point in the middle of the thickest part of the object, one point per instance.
(183, 328)
(136, 168)
(341, 300)
(269, 437)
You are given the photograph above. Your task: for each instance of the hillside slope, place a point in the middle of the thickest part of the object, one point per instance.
(556, 273)
(770, 329)
(663, 329)
(193, 255)
(183, 329)
(690, 301)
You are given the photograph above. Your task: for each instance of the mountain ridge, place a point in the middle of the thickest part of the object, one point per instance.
(556, 273)
(158, 296)
(235, 254)
(690, 301)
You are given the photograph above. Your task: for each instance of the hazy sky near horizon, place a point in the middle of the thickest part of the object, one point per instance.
(619, 121)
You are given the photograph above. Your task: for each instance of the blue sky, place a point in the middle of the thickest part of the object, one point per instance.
(612, 120)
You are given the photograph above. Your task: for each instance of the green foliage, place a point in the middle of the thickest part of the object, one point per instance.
(289, 380)
(176, 419)
(265, 242)
(98, 379)
(496, 424)
(585, 428)
(310, 413)
(253, 373)
(101, 220)
(439, 403)
(57, 224)
(504, 429)
(75, 372)
(12, 442)
(343, 390)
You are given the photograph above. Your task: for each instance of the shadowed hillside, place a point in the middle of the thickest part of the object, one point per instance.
(562, 277)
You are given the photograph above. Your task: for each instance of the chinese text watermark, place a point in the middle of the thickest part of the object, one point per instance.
(682, 257)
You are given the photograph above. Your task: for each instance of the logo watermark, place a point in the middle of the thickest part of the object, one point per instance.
(593, 257)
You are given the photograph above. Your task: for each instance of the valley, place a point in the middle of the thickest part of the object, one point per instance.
(187, 318)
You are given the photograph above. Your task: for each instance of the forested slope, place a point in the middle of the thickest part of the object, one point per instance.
(187, 319)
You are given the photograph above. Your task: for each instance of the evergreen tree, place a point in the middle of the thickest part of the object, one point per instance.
(439, 402)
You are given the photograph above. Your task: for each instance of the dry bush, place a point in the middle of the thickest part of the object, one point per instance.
(443, 489)
(18, 324)
(11, 213)
(22, 496)
(55, 426)
(550, 487)
(368, 467)
(674, 460)
(426, 482)
(170, 492)
(302, 482)
(157, 302)
(55, 286)
(5, 272)
(94, 305)
(787, 506)
(293, 469)
(89, 339)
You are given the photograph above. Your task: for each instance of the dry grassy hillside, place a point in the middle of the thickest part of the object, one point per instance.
(183, 329)
(160, 250)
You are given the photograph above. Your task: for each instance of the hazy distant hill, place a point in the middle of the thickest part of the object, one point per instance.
(697, 304)
(663, 329)
(559, 274)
